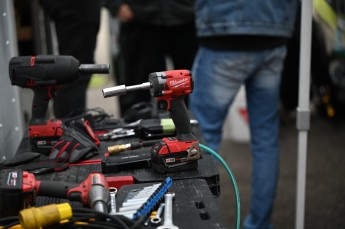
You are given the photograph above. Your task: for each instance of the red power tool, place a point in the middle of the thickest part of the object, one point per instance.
(44, 74)
(18, 190)
(170, 87)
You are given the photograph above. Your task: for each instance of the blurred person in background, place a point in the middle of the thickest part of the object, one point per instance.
(151, 30)
(244, 43)
(76, 23)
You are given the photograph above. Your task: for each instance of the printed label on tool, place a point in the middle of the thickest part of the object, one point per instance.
(178, 83)
(170, 160)
(12, 179)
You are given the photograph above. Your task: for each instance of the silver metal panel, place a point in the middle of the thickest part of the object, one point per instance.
(11, 118)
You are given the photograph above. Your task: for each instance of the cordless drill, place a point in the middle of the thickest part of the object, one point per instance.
(169, 154)
(18, 190)
(44, 74)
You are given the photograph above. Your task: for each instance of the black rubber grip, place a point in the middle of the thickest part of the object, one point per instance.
(179, 115)
(55, 189)
(40, 104)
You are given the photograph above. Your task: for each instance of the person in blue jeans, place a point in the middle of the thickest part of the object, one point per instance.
(244, 42)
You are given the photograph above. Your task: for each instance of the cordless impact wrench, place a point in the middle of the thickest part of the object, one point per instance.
(169, 154)
(44, 74)
(18, 190)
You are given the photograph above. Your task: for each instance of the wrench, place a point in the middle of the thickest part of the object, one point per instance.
(157, 219)
(168, 213)
(112, 192)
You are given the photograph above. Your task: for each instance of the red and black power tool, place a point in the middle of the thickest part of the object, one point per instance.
(44, 74)
(169, 154)
(18, 190)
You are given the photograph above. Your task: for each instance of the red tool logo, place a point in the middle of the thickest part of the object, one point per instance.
(178, 83)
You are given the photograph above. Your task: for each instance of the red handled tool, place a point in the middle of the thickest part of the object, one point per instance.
(18, 190)
(169, 87)
(44, 74)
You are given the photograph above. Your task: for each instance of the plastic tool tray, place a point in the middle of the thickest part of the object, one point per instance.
(193, 207)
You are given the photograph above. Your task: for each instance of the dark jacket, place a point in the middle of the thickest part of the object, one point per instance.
(83, 10)
(250, 17)
(157, 12)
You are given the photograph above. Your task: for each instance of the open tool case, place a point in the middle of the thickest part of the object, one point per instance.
(194, 205)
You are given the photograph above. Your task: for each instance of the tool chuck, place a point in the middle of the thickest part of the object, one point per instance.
(123, 89)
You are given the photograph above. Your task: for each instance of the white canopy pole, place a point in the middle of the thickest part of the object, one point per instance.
(303, 112)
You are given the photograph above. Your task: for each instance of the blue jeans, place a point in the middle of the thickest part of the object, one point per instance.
(218, 76)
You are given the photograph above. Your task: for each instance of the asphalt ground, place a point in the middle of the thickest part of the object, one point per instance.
(325, 178)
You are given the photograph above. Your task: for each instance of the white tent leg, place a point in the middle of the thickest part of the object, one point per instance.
(303, 112)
